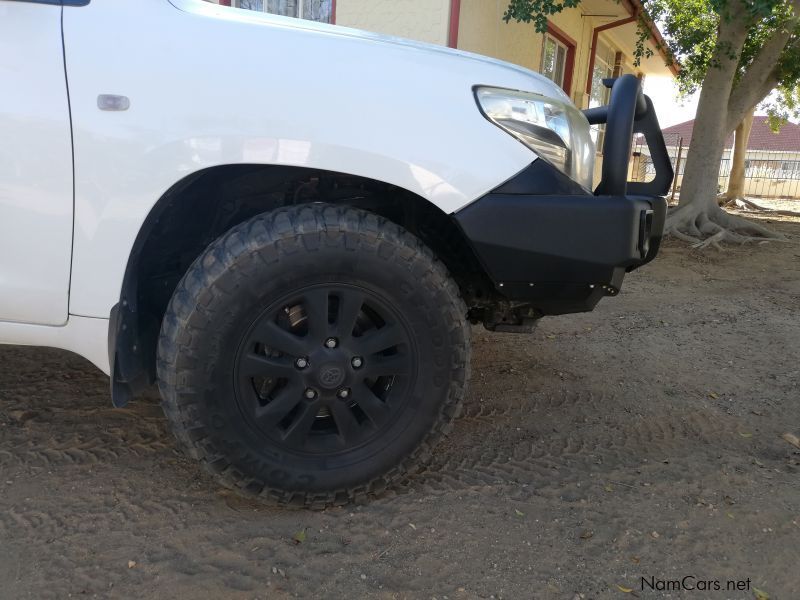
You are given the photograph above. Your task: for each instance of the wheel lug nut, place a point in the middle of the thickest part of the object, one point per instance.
(357, 362)
(301, 363)
(310, 394)
(331, 343)
(344, 393)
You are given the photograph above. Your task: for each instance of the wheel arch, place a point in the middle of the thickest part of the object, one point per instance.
(203, 205)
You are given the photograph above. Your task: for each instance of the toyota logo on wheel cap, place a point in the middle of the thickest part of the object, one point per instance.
(331, 376)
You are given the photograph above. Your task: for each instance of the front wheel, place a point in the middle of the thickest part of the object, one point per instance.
(313, 355)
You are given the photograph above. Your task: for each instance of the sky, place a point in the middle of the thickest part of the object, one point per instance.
(664, 93)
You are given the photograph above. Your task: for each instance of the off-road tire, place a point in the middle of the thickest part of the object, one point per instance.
(225, 292)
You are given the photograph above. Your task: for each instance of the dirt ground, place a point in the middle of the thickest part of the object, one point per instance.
(641, 440)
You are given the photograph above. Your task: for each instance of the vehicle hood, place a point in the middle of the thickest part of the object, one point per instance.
(483, 69)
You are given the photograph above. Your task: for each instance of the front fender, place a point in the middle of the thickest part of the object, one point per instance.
(207, 91)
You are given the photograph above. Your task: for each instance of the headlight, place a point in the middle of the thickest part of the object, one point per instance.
(554, 130)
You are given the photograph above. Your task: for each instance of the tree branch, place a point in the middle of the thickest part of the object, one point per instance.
(760, 77)
(731, 36)
(738, 107)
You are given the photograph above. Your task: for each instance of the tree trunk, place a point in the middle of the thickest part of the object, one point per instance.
(701, 177)
(736, 178)
(699, 187)
(698, 217)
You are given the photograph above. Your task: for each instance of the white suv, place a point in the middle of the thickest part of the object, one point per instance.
(289, 225)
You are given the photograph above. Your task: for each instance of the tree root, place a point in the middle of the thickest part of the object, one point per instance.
(703, 227)
(746, 204)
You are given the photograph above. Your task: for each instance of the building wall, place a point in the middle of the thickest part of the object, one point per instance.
(422, 20)
(483, 30)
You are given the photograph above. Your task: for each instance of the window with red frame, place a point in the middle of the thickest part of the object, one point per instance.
(558, 57)
(313, 10)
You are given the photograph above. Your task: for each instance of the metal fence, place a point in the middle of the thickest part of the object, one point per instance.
(767, 174)
(641, 167)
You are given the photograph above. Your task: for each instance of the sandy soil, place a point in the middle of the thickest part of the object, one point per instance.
(642, 440)
(791, 204)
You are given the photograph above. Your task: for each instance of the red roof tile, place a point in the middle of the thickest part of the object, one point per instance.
(761, 136)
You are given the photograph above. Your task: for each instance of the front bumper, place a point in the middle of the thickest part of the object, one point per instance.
(548, 243)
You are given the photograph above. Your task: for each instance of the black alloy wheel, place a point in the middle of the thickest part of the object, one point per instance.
(313, 355)
(325, 369)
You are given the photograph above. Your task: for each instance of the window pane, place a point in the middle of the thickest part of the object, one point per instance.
(314, 10)
(549, 59)
(603, 69)
(561, 59)
(287, 8)
(600, 93)
(251, 4)
(318, 10)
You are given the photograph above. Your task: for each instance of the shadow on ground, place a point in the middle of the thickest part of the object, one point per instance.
(642, 440)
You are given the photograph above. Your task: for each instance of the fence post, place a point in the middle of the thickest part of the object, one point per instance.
(677, 169)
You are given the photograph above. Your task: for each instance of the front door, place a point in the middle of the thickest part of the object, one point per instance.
(36, 200)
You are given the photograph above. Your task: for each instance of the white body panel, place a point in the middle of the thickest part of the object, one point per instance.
(211, 86)
(82, 335)
(35, 166)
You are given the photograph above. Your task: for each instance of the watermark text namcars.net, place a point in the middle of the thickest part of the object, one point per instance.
(692, 583)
